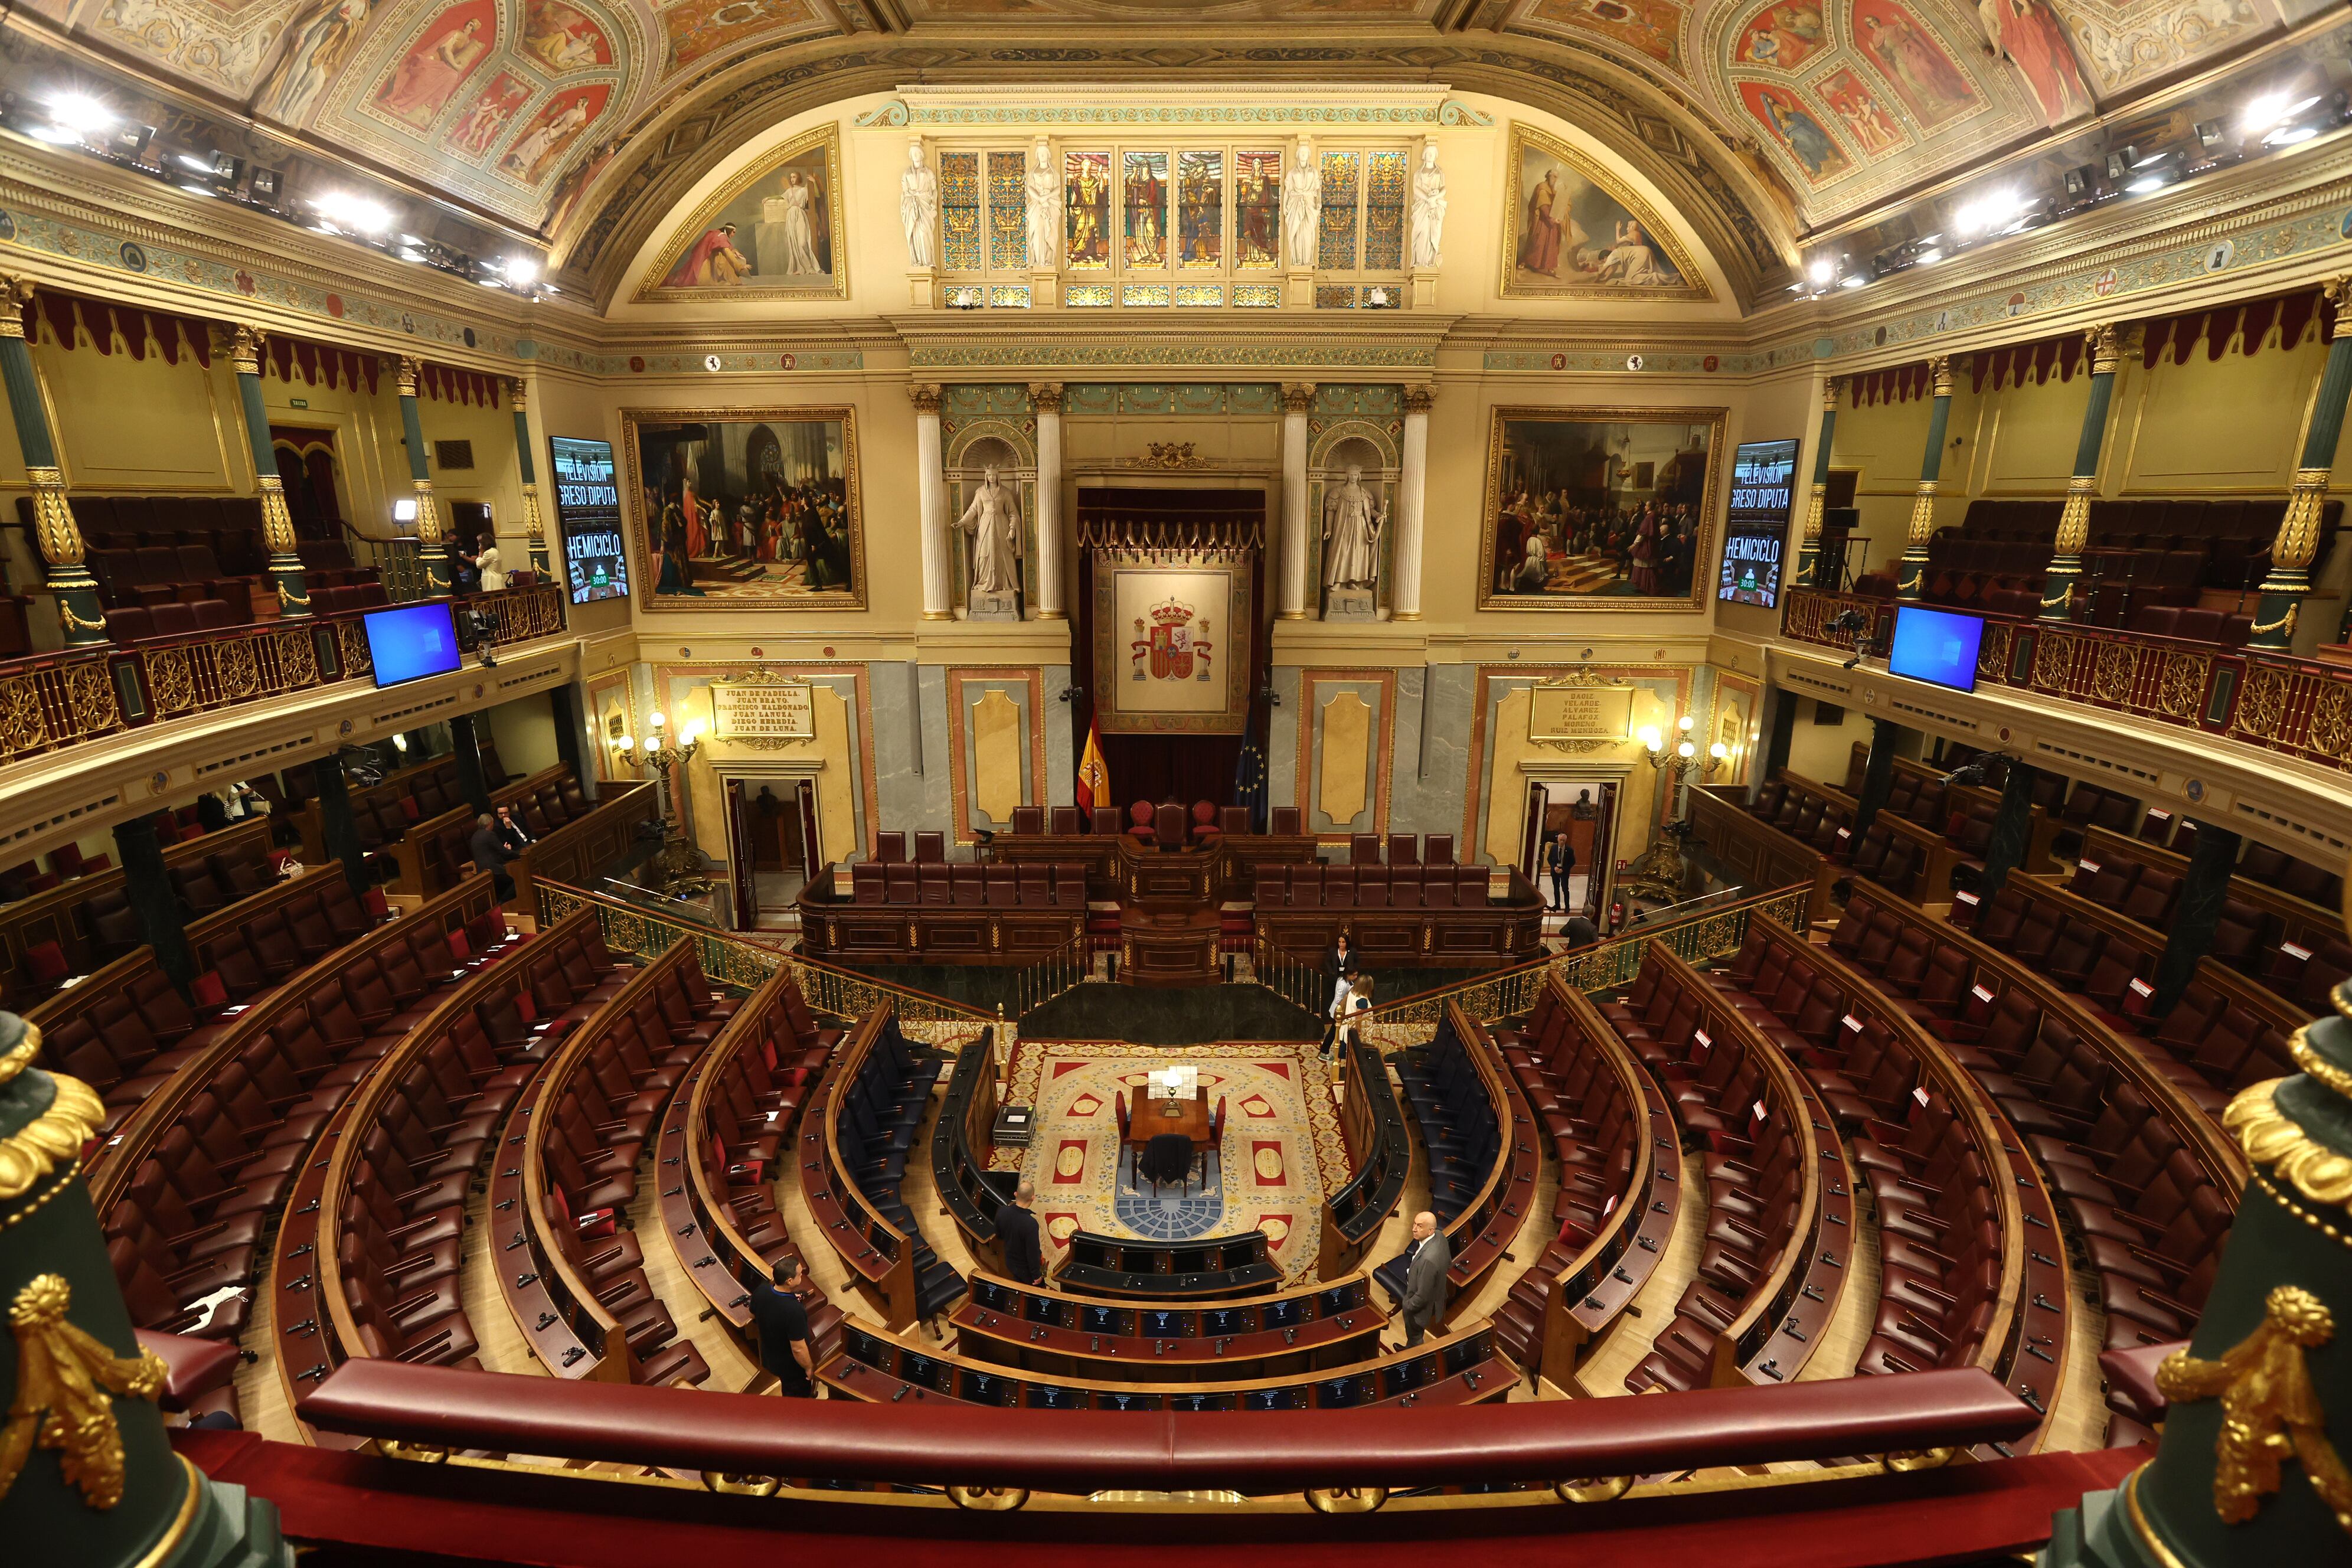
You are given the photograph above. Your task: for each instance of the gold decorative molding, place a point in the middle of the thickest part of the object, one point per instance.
(411, 368)
(2271, 1410)
(2271, 1137)
(428, 515)
(1419, 397)
(53, 520)
(1045, 397)
(2298, 534)
(2105, 353)
(1298, 396)
(2308, 1059)
(1815, 510)
(926, 396)
(1923, 514)
(1831, 390)
(245, 345)
(277, 523)
(520, 390)
(534, 527)
(1168, 455)
(1940, 369)
(15, 293)
(2074, 522)
(2338, 292)
(64, 1378)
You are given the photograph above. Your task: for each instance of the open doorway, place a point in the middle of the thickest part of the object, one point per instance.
(1585, 808)
(771, 846)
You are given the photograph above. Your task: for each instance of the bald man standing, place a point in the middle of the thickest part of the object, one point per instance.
(1016, 1232)
(1426, 1261)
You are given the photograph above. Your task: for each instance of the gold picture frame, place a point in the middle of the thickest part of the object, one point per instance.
(655, 289)
(1606, 597)
(651, 596)
(1691, 287)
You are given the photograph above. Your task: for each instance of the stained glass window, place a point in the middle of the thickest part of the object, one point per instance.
(1086, 211)
(1336, 251)
(1008, 221)
(1384, 212)
(1257, 209)
(1144, 193)
(959, 211)
(1200, 208)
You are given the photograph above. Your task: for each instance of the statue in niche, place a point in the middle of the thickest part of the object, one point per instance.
(1428, 209)
(1044, 210)
(1302, 205)
(1352, 517)
(918, 205)
(994, 521)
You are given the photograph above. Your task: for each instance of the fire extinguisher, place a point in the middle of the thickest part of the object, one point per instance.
(1616, 915)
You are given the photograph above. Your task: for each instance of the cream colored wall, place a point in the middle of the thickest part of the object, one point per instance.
(524, 730)
(1818, 751)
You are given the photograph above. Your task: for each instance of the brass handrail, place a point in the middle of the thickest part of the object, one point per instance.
(1696, 938)
(729, 960)
(1064, 969)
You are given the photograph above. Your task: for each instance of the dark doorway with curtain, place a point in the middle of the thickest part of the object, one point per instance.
(306, 468)
(1184, 768)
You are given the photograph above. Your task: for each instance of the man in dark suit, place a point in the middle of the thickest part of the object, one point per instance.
(784, 1327)
(513, 838)
(490, 855)
(1016, 1230)
(1559, 860)
(1426, 1261)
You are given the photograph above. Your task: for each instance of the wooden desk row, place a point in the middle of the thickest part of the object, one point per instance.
(577, 852)
(1223, 865)
(880, 1257)
(2307, 925)
(420, 872)
(1371, 1125)
(1168, 1339)
(841, 931)
(1491, 1221)
(1203, 1268)
(1504, 930)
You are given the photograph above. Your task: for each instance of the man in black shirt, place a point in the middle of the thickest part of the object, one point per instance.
(783, 1328)
(490, 855)
(1016, 1230)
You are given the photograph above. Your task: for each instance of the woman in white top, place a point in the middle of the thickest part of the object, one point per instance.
(492, 568)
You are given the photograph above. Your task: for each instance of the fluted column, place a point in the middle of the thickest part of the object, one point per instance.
(1911, 576)
(1412, 485)
(432, 547)
(1810, 570)
(931, 501)
(1045, 397)
(1297, 402)
(245, 345)
(2298, 535)
(534, 526)
(59, 537)
(2074, 522)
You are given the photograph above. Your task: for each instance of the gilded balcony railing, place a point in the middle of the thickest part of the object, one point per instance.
(2275, 702)
(55, 701)
(730, 961)
(1698, 938)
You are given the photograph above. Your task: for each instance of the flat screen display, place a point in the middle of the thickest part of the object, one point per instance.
(1756, 529)
(412, 642)
(588, 508)
(1936, 646)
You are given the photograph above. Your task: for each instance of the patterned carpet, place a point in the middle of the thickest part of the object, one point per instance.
(1280, 1154)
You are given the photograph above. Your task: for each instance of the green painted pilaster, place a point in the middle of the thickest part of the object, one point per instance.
(1910, 578)
(431, 545)
(2066, 572)
(2298, 534)
(533, 525)
(277, 525)
(1810, 570)
(58, 536)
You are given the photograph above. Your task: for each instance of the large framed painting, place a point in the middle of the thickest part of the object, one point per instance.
(1571, 232)
(771, 232)
(1601, 509)
(1172, 642)
(742, 507)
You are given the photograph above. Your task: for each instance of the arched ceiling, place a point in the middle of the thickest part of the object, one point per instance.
(586, 119)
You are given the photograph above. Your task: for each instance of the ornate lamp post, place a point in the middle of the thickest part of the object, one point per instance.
(682, 871)
(1658, 871)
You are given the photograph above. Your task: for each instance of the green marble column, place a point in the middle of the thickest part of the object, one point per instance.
(244, 345)
(1877, 774)
(571, 747)
(148, 885)
(432, 548)
(468, 750)
(534, 525)
(99, 1485)
(1779, 731)
(1910, 577)
(2195, 914)
(59, 537)
(2012, 828)
(2066, 570)
(335, 825)
(2298, 535)
(1810, 570)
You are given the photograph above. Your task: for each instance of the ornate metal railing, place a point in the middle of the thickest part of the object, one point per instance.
(1698, 938)
(2271, 700)
(1300, 984)
(1808, 612)
(1057, 972)
(54, 701)
(730, 961)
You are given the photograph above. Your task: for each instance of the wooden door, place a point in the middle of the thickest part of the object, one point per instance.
(1531, 833)
(1596, 854)
(811, 845)
(741, 857)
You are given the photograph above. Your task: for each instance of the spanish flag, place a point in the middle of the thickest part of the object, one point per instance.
(1094, 776)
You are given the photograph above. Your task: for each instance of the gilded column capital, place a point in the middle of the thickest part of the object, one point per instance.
(1419, 397)
(411, 370)
(2105, 344)
(926, 396)
(428, 514)
(15, 293)
(53, 528)
(1298, 396)
(520, 390)
(1045, 397)
(2338, 292)
(1940, 369)
(1831, 390)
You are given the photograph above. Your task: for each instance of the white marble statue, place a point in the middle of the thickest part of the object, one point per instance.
(994, 521)
(1302, 205)
(1044, 207)
(919, 206)
(1428, 209)
(1352, 516)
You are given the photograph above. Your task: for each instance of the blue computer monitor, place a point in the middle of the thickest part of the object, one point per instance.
(1936, 647)
(412, 642)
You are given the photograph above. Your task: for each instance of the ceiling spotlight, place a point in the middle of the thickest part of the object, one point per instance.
(1852, 280)
(356, 212)
(2209, 134)
(1928, 258)
(522, 271)
(1824, 272)
(2154, 180)
(80, 113)
(55, 136)
(2288, 135)
(2270, 110)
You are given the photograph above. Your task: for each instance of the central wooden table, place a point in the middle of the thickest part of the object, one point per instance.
(1148, 1118)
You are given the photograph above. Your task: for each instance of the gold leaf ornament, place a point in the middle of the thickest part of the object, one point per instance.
(64, 1379)
(2271, 1410)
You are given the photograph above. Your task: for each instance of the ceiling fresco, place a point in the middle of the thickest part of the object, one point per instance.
(566, 116)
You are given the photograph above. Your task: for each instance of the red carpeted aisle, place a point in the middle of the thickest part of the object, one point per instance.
(359, 1508)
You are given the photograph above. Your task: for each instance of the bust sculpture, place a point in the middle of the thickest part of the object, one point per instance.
(1352, 515)
(1302, 205)
(994, 521)
(918, 205)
